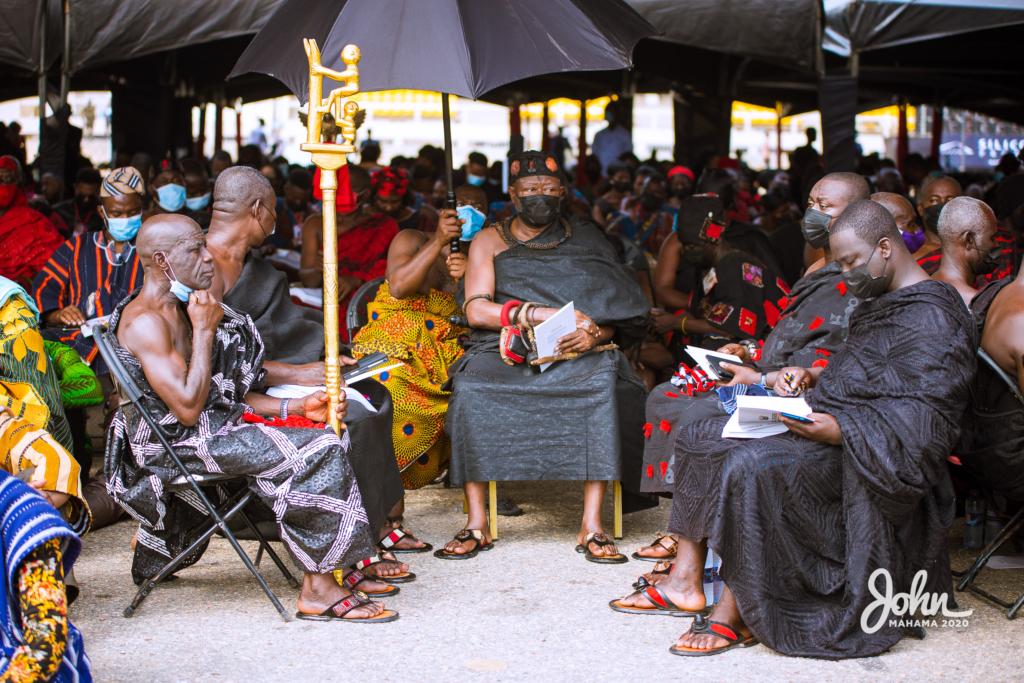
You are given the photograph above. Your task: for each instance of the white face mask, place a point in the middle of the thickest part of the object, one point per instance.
(177, 288)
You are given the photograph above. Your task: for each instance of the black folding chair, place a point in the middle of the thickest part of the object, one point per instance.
(217, 517)
(1009, 529)
(358, 306)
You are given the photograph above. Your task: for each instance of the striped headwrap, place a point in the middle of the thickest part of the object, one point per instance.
(124, 180)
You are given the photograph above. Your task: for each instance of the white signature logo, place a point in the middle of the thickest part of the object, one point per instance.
(901, 604)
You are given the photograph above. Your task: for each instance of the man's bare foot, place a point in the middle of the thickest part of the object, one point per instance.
(687, 598)
(454, 547)
(725, 612)
(664, 547)
(595, 549)
(369, 584)
(407, 542)
(321, 592)
(388, 567)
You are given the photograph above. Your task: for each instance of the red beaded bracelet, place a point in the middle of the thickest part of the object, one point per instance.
(506, 309)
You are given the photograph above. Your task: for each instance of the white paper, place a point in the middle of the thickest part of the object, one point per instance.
(307, 295)
(1006, 562)
(757, 416)
(87, 327)
(299, 391)
(554, 328)
(701, 357)
(286, 257)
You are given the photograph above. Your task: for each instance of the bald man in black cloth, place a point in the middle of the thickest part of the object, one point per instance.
(804, 520)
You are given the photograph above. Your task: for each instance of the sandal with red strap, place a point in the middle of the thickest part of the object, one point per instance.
(661, 604)
(664, 541)
(338, 610)
(601, 541)
(356, 577)
(385, 556)
(663, 568)
(465, 536)
(727, 633)
(397, 534)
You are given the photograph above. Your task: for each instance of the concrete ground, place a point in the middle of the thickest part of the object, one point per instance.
(530, 610)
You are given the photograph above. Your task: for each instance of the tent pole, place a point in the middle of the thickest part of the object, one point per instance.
(44, 25)
(201, 138)
(581, 174)
(449, 168)
(937, 113)
(545, 137)
(65, 76)
(218, 125)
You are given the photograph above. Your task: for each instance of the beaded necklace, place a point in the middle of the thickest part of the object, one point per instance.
(505, 231)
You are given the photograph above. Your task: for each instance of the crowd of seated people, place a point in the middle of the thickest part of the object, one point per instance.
(653, 256)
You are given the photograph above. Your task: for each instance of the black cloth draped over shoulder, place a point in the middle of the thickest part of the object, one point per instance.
(292, 334)
(802, 525)
(991, 446)
(581, 419)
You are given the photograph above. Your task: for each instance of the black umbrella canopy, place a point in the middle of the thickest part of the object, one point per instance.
(463, 47)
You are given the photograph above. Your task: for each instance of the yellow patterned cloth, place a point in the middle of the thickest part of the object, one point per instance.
(415, 332)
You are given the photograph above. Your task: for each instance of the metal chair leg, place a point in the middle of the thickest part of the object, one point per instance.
(265, 544)
(493, 491)
(617, 488)
(967, 582)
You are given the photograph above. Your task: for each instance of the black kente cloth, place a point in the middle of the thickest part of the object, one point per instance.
(991, 445)
(581, 419)
(753, 240)
(813, 326)
(741, 296)
(291, 334)
(303, 475)
(788, 244)
(801, 525)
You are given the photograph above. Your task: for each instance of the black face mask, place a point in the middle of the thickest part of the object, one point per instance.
(862, 284)
(650, 202)
(988, 261)
(86, 203)
(593, 174)
(931, 217)
(695, 257)
(538, 210)
(622, 185)
(814, 225)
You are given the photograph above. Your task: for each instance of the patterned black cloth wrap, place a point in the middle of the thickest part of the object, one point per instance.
(291, 334)
(991, 446)
(302, 475)
(581, 419)
(813, 325)
(801, 525)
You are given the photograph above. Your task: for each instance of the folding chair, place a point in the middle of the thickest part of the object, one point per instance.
(358, 315)
(1008, 531)
(217, 517)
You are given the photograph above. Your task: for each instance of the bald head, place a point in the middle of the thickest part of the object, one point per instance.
(239, 188)
(962, 215)
(163, 232)
(850, 187)
(902, 211)
(174, 245)
(938, 190)
(869, 221)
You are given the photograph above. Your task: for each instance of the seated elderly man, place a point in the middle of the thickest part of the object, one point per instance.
(967, 228)
(409, 321)
(200, 367)
(813, 325)
(863, 487)
(293, 336)
(581, 418)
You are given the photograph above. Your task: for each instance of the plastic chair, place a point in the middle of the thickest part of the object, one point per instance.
(358, 314)
(1009, 529)
(217, 518)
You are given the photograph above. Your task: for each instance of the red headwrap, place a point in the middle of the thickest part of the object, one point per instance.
(390, 181)
(676, 170)
(11, 195)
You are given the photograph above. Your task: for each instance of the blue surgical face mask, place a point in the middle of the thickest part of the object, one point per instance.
(177, 288)
(474, 221)
(171, 197)
(477, 180)
(197, 203)
(123, 229)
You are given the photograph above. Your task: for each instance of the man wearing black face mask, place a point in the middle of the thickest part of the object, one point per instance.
(885, 414)
(507, 419)
(967, 228)
(81, 213)
(737, 296)
(934, 193)
(646, 223)
(620, 186)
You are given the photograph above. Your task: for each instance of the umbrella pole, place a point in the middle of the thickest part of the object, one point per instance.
(329, 158)
(450, 176)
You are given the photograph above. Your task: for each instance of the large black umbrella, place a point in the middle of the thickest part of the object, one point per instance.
(463, 47)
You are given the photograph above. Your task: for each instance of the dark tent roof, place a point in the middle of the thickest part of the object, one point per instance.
(19, 32)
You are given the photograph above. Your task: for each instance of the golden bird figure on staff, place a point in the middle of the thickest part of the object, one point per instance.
(329, 158)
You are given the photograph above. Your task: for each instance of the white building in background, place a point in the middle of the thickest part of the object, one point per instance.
(92, 106)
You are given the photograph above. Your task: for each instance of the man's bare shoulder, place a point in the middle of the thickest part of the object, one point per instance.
(1004, 323)
(409, 241)
(143, 329)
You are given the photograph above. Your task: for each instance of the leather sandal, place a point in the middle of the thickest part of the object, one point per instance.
(660, 604)
(701, 625)
(465, 536)
(665, 542)
(338, 610)
(601, 541)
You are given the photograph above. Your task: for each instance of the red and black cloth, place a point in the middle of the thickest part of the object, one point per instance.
(27, 237)
(363, 253)
(741, 296)
(1008, 261)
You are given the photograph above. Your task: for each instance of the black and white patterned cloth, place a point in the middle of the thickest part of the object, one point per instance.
(303, 476)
